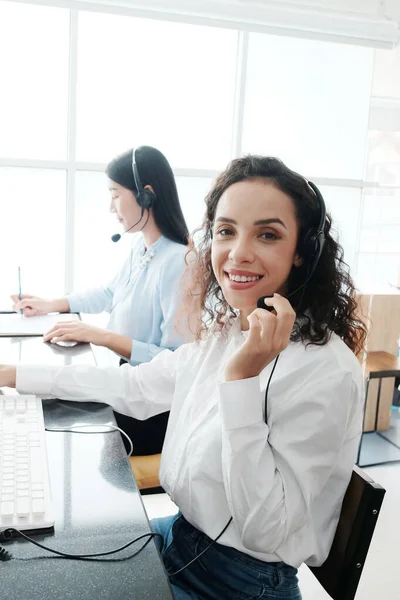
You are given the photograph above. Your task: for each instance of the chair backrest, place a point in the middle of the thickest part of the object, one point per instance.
(341, 572)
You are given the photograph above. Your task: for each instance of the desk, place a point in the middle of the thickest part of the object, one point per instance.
(96, 502)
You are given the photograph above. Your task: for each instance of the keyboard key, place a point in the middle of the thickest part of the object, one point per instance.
(7, 509)
(36, 465)
(38, 507)
(23, 507)
(23, 494)
(22, 471)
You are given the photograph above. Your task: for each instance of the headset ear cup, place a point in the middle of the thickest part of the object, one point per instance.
(146, 199)
(310, 251)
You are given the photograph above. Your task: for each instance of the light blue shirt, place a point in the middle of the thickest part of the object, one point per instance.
(144, 299)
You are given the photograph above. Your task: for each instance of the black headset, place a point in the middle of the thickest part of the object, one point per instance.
(314, 241)
(145, 198)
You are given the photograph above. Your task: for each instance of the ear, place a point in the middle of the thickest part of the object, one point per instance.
(148, 187)
(298, 261)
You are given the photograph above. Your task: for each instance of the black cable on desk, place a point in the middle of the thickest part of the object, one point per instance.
(6, 535)
(76, 428)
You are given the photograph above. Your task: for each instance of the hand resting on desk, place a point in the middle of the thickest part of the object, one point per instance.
(76, 331)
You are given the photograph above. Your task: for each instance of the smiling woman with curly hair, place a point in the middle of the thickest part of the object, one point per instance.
(258, 452)
(326, 304)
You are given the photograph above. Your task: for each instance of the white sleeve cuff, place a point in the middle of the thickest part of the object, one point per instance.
(35, 380)
(241, 403)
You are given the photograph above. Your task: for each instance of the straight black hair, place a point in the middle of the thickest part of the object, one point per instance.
(154, 170)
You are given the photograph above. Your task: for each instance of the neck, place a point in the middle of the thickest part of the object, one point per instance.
(151, 233)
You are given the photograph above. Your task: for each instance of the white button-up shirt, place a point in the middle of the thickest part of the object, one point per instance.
(282, 480)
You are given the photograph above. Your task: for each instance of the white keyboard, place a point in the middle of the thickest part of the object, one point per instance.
(24, 480)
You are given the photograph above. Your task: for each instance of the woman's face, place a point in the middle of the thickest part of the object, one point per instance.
(124, 205)
(254, 242)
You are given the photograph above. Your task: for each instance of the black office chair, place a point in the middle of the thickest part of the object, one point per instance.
(341, 572)
(376, 375)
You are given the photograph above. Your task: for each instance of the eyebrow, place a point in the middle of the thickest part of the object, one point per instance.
(259, 222)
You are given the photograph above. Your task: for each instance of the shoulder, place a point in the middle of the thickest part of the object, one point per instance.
(172, 262)
(171, 249)
(330, 363)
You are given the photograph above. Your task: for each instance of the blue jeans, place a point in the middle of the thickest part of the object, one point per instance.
(221, 572)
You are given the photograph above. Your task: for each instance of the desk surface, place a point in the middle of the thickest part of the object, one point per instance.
(97, 507)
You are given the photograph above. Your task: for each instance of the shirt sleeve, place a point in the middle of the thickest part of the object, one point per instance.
(97, 299)
(141, 392)
(273, 472)
(174, 331)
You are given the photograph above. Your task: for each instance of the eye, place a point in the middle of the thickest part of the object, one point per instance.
(269, 235)
(224, 231)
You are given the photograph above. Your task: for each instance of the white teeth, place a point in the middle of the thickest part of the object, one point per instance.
(242, 278)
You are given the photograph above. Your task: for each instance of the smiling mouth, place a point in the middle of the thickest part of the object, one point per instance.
(243, 278)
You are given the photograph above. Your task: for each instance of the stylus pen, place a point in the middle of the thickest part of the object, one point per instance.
(20, 289)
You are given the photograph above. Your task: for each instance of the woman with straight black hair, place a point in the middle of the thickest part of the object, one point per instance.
(144, 299)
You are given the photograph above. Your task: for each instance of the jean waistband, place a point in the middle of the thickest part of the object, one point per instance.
(192, 532)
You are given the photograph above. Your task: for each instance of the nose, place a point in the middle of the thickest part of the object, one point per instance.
(112, 206)
(241, 250)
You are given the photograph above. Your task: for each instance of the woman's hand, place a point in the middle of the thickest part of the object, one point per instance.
(269, 334)
(32, 306)
(76, 331)
(7, 376)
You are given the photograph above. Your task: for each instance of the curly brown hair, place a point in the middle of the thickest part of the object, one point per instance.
(324, 305)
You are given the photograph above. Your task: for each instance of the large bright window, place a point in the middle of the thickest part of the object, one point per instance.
(307, 102)
(32, 231)
(34, 55)
(168, 85)
(81, 86)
